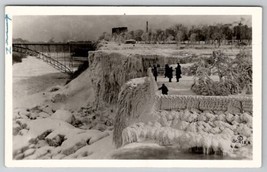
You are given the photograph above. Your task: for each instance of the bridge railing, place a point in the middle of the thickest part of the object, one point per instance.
(53, 62)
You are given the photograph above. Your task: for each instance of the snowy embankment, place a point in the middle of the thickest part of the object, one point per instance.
(50, 138)
(43, 129)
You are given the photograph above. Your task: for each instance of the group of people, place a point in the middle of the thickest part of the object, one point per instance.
(168, 72)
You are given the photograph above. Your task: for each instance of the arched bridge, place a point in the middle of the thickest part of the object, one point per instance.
(65, 57)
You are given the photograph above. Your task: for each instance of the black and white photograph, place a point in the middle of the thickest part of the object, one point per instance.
(149, 85)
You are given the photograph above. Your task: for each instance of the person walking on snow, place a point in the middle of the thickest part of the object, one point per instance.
(178, 72)
(155, 72)
(164, 89)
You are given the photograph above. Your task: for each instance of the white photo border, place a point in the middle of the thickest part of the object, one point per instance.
(255, 12)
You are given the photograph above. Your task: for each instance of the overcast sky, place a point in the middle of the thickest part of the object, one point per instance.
(43, 28)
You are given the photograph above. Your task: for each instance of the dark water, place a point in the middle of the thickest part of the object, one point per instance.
(147, 152)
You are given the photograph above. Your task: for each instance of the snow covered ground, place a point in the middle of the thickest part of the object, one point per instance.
(43, 130)
(183, 87)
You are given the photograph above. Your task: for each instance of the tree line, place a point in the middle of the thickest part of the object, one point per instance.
(217, 34)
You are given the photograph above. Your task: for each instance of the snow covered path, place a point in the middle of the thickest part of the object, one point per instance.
(183, 87)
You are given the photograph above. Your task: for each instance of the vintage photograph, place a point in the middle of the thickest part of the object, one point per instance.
(135, 87)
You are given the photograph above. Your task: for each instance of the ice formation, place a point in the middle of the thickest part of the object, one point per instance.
(136, 100)
(209, 124)
(178, 128)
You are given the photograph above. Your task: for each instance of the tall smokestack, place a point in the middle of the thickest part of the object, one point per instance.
(146, 26)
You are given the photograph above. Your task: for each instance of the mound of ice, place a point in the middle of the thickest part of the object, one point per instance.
(63, 115)
(136, 102)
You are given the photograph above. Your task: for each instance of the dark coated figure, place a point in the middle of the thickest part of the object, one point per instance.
(155, 72)
(178, 72)
(166, 70)
(164, 89)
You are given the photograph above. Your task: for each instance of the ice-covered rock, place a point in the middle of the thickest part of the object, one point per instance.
(75, 142)
(208, 115)
(237, 118)
(23, 112)
(29, 152)
(192, 127)
(39, 153)
(181, 125)
(221, 117)
(55, 141)
(202, 117)
(244, 130)
(246, 118)
(23, 132)
(164, 121)
(100, 127)
(41, 143)
(63, 115)
(19, 156)
(229, 117)
(44, 115)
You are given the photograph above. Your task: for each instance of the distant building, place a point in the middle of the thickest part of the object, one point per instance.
(119, 30)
